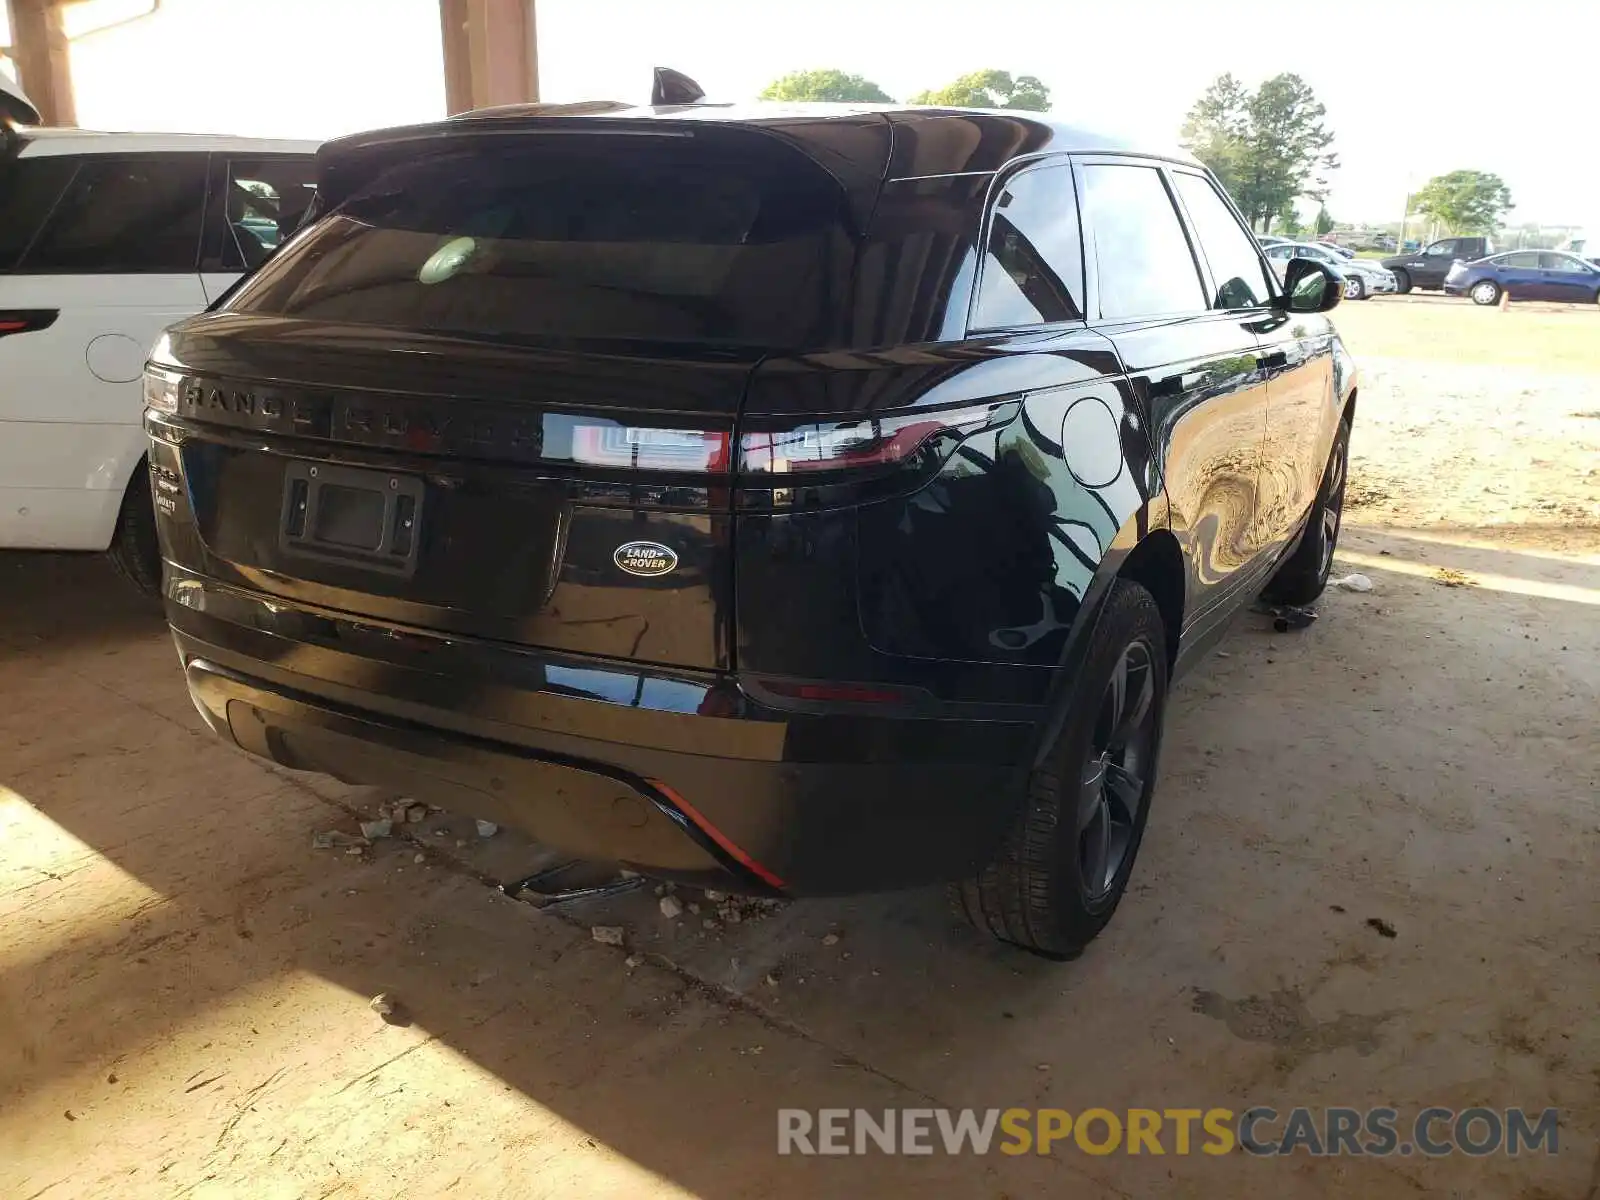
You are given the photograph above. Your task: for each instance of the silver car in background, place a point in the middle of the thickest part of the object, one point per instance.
(1363, 278)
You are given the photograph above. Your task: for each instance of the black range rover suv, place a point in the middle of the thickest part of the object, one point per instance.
(794, 501)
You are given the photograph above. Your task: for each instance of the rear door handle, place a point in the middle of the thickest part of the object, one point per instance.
(1273, 361)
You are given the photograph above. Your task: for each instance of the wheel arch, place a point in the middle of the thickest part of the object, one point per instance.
(1148, 553)
(1156, 564)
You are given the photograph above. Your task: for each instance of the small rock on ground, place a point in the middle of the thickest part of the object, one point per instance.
(607, 935)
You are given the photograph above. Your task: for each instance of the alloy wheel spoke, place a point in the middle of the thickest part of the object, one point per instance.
(1116, 698)
(1138, 695)
(1091, 795)
(1124, 791)
(1097, 850)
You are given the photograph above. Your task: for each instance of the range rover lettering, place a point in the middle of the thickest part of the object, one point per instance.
(795, 501)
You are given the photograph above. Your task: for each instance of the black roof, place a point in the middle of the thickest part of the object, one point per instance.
(880, 141)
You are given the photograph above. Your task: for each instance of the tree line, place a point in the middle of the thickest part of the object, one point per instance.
(979, 89)
(1270, 146)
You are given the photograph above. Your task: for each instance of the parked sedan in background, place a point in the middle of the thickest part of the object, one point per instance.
(1427, 268)
(1362, 277)
(1526, 275)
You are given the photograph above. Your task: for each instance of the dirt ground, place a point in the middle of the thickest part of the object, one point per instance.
(1370, 878)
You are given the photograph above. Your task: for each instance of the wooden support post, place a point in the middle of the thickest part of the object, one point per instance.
(44, 64)
(490, 53)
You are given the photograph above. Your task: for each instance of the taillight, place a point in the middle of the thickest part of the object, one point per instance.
(26, 320)
(645, 449)
(874, 442)
(161, 389)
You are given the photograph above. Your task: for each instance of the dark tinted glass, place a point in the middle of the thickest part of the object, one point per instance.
(578, 237)
(29, 187)
(262, 203)
(1523, 259)
(1236, 267)
(1145, 266)
(126, 215)
(1033, 264)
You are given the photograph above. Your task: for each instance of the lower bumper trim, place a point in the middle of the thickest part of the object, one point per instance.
(584, 812)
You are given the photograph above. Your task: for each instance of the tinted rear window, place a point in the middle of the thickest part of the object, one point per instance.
(29, 189)
(125, 215)
(554, 237)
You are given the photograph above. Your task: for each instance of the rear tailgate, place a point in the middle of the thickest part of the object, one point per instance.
(494, 390)
(478, 496)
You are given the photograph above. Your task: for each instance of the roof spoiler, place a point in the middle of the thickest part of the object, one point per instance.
(581, 108)
(674, 87)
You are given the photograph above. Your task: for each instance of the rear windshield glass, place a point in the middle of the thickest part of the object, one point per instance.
(547, 236)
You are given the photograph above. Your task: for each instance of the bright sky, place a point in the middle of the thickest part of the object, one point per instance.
(1503, 86)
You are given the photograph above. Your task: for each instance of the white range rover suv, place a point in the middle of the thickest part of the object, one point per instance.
(105, 240)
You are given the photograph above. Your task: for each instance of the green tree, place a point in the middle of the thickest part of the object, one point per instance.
(1287, 223)
(826, 84)
(1464, 201)
(1217, 130)
(990, 89)
(1268, 147)
(1324, 221)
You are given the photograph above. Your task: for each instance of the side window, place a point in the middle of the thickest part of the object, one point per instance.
(1523, 259)
(29, 189)
(1442, 250)
(1558, 262)
(263, 201)
(1236, 267)
(1033, 264)
(126, 215)
(1145, 267)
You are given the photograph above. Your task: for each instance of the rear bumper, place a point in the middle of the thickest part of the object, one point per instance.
(670, 774)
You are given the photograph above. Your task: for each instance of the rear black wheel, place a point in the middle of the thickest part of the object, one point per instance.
(1066, 863)
(1485, 292)
(1304, 574)
(134, 550)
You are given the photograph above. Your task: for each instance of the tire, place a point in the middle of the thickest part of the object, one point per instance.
(1304, 574)
(1065, 864)
(1354, 288)
(1402, 281)
(135, 552)
(1485, 292)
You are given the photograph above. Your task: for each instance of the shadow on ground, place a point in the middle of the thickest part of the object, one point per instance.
(184, 980)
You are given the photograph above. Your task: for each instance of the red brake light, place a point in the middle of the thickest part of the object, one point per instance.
(26, 320)
(852, 693)
(877, 441)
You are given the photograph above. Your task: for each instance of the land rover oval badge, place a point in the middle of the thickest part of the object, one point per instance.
(645, 559)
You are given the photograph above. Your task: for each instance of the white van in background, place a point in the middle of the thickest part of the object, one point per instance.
(105, 240)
